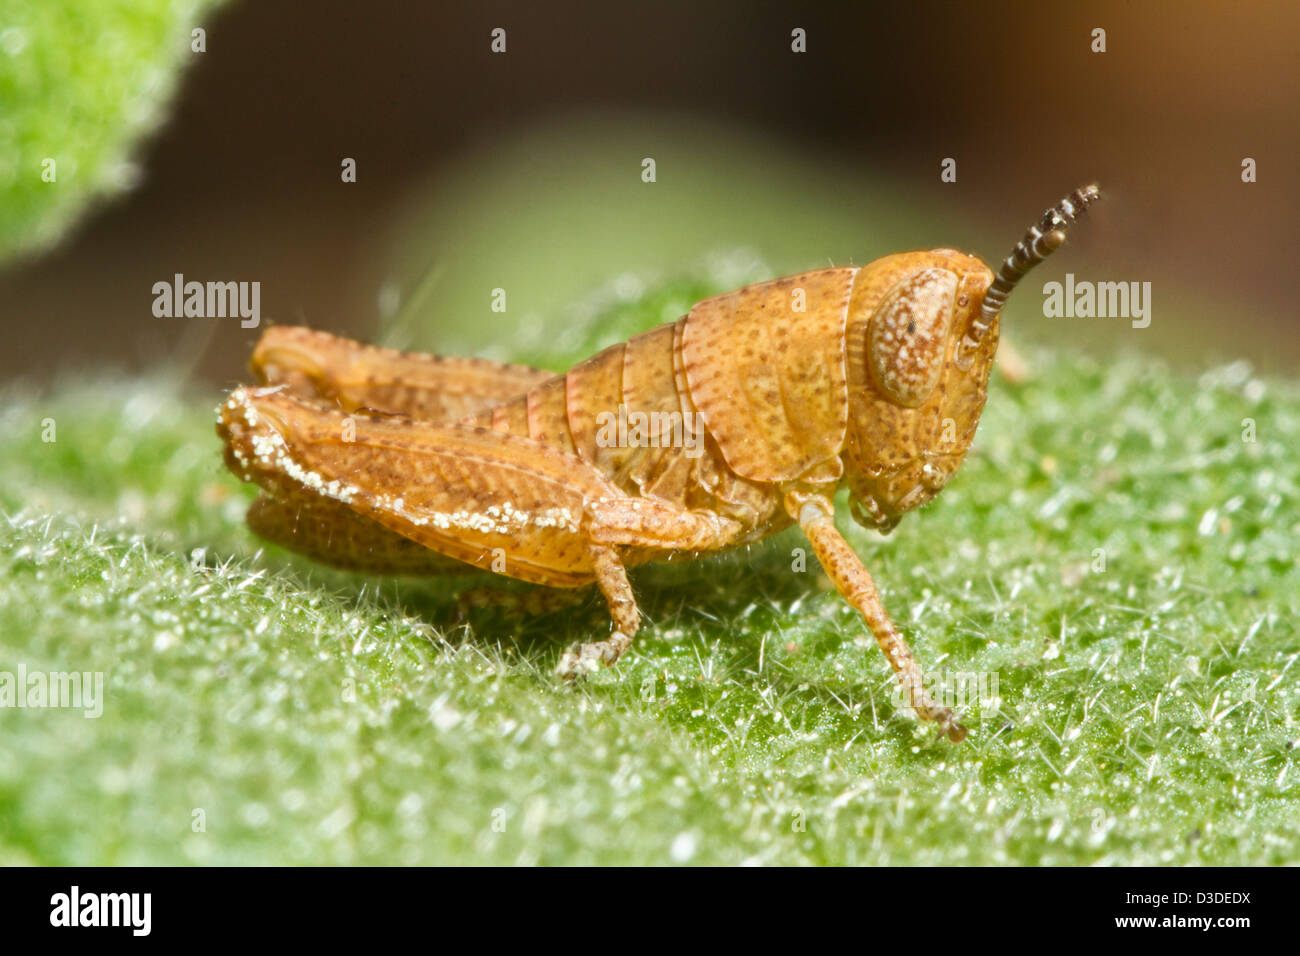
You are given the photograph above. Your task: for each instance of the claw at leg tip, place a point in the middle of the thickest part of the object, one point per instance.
(956, 732)
(574, 666)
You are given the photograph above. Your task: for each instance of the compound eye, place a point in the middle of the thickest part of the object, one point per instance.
(909, 335)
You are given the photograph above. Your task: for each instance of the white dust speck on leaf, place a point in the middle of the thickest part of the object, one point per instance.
(684, 846)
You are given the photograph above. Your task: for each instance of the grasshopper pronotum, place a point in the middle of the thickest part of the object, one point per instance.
(874, 377)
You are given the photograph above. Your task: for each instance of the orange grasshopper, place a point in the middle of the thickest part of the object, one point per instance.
(872, 377)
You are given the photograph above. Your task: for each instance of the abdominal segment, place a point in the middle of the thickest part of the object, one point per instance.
(626, 410)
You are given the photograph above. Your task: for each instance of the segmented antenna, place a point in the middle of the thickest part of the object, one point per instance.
(1039, 242)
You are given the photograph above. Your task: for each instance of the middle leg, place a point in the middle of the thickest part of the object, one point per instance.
(636, 523)
(611, 578)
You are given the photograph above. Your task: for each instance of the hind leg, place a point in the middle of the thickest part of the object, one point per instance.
(325, 530)
(432, 388)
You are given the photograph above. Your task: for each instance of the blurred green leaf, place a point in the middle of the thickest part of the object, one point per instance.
(80, 83)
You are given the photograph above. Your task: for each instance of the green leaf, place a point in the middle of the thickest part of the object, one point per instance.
(81, 84)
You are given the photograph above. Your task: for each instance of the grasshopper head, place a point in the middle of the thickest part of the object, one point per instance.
(921, 338)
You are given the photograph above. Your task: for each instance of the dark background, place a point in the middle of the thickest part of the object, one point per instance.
(243, 181)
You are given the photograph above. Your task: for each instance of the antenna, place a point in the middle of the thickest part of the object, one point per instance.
(1040, 241)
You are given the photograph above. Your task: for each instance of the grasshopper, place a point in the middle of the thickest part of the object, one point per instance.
(872, 377)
